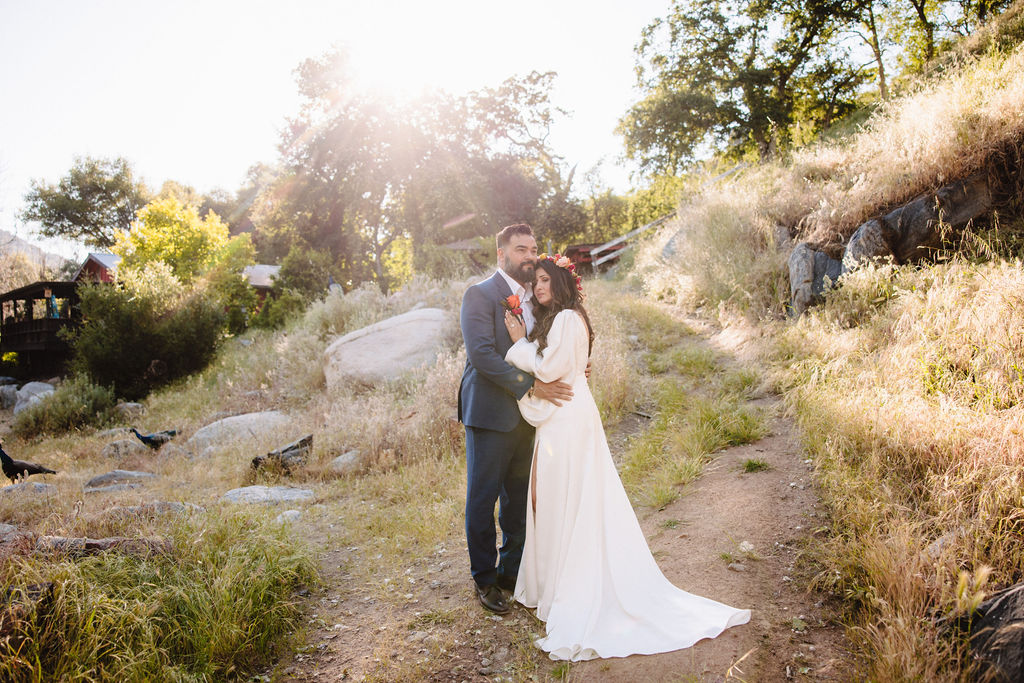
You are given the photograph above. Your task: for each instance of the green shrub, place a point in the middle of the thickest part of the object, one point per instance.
(278, 310)
(135, 339)
(75, 404)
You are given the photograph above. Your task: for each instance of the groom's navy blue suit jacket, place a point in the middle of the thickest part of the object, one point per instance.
(490, 386)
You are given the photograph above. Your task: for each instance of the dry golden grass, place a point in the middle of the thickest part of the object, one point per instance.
(949, 129)
(404, 503)
(906, 385)
(723, 248)
(908, 382)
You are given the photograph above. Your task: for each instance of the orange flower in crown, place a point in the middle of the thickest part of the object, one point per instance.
(512, 303)
(565, 262)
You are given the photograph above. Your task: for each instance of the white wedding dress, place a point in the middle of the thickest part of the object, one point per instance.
(586, 566)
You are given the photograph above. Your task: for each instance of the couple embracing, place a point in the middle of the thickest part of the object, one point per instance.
(572, 547)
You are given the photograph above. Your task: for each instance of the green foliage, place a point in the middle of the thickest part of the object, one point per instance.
(214, 609)
(144, 332)
(732, 75)
(359, 173)
(167, 230)
(230, 286)
(279, 309)
(75, 404)
(305, 271)
(96, 199)
(751, 465)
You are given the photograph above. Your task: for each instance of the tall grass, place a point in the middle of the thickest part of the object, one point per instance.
(728, 244)
(906, 385)
(218, 607)
(908, 382)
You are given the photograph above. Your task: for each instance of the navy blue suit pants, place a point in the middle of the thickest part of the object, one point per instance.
(497, 470)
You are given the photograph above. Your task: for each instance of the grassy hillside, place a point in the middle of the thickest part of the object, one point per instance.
(907, 382)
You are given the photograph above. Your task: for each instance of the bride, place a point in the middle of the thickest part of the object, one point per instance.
(586, 566)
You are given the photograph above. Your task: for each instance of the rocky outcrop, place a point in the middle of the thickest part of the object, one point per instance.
(8, 396)
(294, 454)
(28, 488)
(346, 463)
(79, 547)
(129, 412)
(915, 230)
(810, 272)
(386, 350)
(123, 448)
(907, 234)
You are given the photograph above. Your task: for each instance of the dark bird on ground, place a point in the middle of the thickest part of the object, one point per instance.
(156, 439)
(14, 469)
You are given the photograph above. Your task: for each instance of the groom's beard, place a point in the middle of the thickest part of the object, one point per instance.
(524, 274)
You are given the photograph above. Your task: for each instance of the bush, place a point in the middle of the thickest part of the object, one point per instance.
(278, 310)
(136, 338)
(75, 404)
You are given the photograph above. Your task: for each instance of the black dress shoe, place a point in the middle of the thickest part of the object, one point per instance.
(507, 583)
(492, 599)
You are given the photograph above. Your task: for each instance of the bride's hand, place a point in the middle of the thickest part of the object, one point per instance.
(516, 328)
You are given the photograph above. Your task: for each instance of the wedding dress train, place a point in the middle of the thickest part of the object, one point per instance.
(586, 566)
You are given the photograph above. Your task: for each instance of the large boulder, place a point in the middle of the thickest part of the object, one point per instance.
(346, 463)
(808, 271)
(916, 229)
(235, 429)
(32, 393)
(129, 412)
(386, 350)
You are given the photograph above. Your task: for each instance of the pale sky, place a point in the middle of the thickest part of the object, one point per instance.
(197, 92)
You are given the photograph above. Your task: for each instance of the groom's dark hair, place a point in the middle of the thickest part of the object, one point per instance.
(505, 234)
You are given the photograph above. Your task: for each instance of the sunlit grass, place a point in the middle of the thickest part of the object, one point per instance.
(218, 606)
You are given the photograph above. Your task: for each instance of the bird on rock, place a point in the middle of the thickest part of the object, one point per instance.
(156, 439)
(14, 469)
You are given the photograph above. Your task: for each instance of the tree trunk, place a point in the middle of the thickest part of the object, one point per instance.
(876, 50)
(929, 28)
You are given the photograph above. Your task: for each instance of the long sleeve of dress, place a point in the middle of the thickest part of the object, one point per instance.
(557, 363)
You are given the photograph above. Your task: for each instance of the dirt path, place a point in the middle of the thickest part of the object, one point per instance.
(425, 624)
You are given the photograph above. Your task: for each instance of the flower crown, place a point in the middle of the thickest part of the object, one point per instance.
(564, 262)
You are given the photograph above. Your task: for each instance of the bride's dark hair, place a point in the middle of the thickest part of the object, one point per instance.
(564, 294)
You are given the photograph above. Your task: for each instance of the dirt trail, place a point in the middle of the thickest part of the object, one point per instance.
(436, 631)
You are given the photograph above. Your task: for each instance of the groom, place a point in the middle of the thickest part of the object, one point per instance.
(499, 442)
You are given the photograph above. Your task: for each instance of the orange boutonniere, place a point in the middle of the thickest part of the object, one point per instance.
(511, 303)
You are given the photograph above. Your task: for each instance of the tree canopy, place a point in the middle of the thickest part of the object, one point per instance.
(359, 171)
(739, 77)
(96, 199)
(167, 230)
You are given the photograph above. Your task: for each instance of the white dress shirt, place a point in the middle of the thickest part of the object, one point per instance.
(525, 295)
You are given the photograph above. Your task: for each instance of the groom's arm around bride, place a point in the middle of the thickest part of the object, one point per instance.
(499, 443)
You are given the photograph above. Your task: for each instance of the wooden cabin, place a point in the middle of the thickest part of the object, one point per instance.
(582, 256)
(98, 267)
(30, 318)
